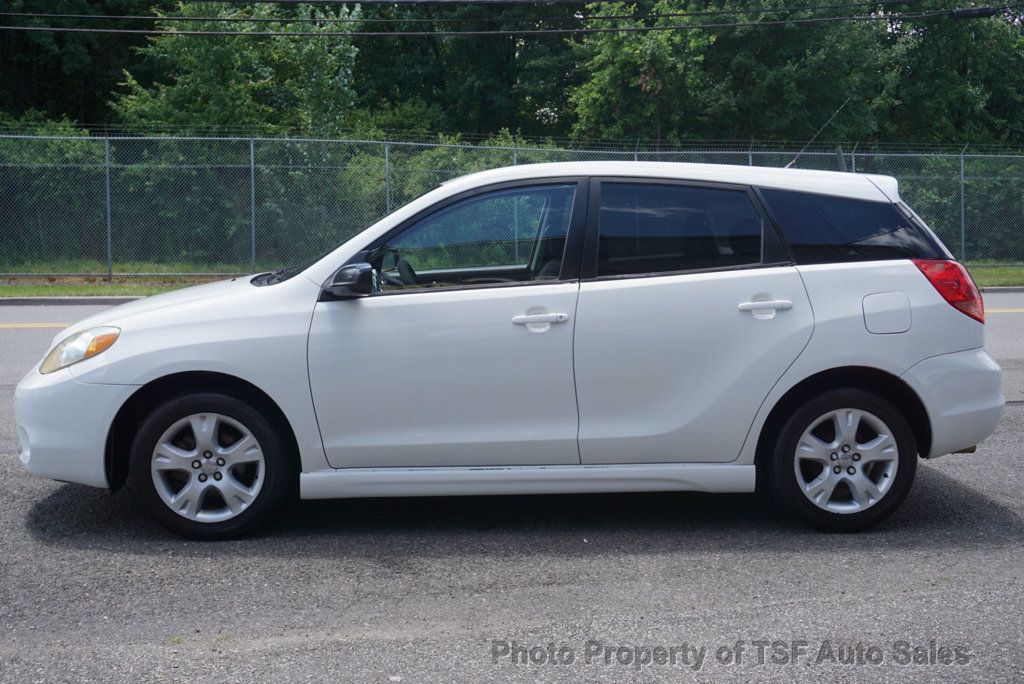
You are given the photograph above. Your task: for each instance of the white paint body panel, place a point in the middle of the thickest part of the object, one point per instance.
(62, 425)
(439, 393)
(840, 337)
(962, 393)
(257, 334)
(578, 479)
(445, 378)
(668, 369)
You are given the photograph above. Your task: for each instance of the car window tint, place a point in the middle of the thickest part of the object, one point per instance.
(650, 228)
(507, 235)
(823, 229)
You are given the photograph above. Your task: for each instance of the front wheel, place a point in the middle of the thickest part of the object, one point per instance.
(209, 466)
(844, 461)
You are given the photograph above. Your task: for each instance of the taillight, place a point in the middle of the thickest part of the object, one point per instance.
(955, 285)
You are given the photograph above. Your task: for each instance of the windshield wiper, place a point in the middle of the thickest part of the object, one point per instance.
(278, 275)
(271, 277)
(274, 277)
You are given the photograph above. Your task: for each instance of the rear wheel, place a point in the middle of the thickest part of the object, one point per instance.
(844, 461)
(209, 466)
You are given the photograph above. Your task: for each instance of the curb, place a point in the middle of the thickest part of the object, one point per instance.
(1013, 289)
(64, 301)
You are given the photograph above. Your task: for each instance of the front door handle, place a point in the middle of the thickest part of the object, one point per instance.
(776, 304)
(527, 319)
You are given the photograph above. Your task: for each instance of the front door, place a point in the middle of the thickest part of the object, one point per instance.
(464, 357)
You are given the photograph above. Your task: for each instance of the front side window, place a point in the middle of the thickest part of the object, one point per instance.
(823, 229)
(649, 228)
(505, 236)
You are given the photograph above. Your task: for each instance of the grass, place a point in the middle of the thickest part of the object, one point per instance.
(30, 280)
(997, 276)
(86, 290)
(29, 285)
(125, 267)
(35, 286)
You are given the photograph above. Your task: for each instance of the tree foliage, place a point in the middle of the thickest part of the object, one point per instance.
(66, 74)
(225, 82)
(928, 80)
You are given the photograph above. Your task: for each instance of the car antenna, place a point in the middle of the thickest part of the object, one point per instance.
(834, 114)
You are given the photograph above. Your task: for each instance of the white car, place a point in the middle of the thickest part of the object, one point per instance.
(579, 327)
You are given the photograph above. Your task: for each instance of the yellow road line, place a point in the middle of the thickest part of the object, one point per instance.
(1017, 310)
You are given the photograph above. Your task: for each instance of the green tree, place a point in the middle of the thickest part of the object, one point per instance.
(228, 82)
(926, 80)
(66, 75)
(476, 85)
(960, 82)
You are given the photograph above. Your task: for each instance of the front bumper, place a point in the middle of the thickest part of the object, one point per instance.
(63, 424)
(962, 393)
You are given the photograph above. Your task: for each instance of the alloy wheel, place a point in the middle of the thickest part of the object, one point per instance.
(846, 460)
(208, 467)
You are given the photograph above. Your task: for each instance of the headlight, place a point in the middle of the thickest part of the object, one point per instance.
(79, 347)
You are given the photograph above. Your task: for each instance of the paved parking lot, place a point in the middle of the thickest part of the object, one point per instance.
(436, 590)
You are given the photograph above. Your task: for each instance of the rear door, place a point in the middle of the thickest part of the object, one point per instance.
(688, 314)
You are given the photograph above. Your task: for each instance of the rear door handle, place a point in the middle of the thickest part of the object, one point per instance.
(527, 319)
(776, 304)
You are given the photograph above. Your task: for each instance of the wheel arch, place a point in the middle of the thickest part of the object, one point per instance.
(882, 383)
(125, 424)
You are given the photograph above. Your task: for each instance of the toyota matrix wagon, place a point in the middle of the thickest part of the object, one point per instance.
(579, 327)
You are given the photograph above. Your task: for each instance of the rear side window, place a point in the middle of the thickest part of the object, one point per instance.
(822, 229)
(650, 228)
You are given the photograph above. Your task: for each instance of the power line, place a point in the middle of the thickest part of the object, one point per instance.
(398, 2)
(282, 20)
(520, 32)
(259, 20)
(460, 20)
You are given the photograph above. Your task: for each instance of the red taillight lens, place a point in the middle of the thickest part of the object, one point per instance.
(955, 285)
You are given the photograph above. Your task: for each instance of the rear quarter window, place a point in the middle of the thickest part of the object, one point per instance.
(822, 229)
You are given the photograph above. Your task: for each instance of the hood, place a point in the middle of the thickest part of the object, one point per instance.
(178, 298)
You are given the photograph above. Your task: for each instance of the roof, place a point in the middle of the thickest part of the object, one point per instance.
(855, 185)
(859, 186)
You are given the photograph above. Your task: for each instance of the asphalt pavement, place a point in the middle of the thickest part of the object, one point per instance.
(550, 588)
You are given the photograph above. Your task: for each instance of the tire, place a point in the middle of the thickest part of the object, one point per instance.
(872, 448)
(209, 466)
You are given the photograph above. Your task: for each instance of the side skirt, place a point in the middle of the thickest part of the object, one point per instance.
(345, 483)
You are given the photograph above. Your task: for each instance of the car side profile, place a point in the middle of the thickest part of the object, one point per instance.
(576, 327)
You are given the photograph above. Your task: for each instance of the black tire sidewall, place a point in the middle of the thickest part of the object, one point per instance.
(277, 473)
(783, 477)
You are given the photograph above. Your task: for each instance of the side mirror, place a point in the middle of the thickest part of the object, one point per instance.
(352, 281)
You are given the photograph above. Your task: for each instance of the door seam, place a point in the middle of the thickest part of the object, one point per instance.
(761, 406)
(575, 387)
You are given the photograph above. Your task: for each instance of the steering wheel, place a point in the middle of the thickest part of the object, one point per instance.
(405, 270)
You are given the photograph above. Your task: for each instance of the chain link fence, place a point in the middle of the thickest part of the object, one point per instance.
(127, 206)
